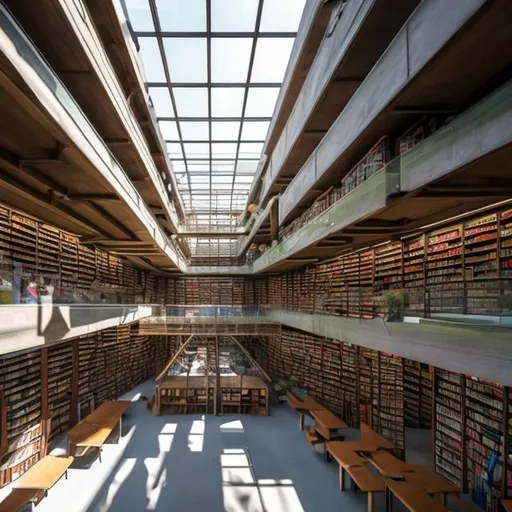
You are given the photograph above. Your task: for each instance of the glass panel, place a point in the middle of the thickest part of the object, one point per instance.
(194, 167)
(182, 15)
(234, 15)
(225, 130)
(140, 15)
(246, 167)
(217, 180)
(151, 60)
(281, 15)
(197, 150)
(186, 58)
(174, 150)
(227, 102)
(161, 100)
(194, 130)
(271, 58)
(243, 179)
(191, 102)
(250, 150)
(230, 59)
(224, 150)
(169, 130)
(178, 166)
(223, 167)
(261, 101)
(255, 130)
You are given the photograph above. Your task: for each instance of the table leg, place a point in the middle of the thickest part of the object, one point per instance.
(120, 426)
(301, 421)
(445, 499)
(370, 502)
(99, 453)
(389, 500)
(342, 478)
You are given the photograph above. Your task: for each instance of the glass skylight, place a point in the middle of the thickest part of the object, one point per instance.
(214, 70)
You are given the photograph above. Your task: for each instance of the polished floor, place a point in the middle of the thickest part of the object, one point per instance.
(195, 463)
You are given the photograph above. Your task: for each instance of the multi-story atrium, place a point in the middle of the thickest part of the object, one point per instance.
(255, 255)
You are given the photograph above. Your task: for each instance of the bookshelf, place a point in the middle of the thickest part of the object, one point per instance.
(417, 394)
(414, 275)
(484, 408)
(388, 270)
(448, 417)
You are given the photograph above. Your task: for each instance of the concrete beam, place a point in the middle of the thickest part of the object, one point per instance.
(458, 349)
(404, 59)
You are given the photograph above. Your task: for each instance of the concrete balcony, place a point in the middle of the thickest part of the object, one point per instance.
(358, 32)
(64, 172)
(70, 43)
(428, 68)
(24, 327)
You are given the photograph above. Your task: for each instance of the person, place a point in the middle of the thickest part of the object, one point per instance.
(30, 294)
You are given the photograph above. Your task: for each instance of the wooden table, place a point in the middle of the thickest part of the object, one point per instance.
(369, 435)
(17, 499)
(303, 406)
(327, 423)
(44, 474)
(109, 411)
(367, 482)
(507, 505)
(430, 482)
(414, 498)
(389, 465)
(345, 456)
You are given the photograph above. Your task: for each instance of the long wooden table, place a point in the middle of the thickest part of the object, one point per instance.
(303, 406)
(371, 437)
(507, 505)
(327, 423)
(430, 482)
(17, 498)
(44, 474)
(94, 430)
(367, 482)
(388, 465)
(414, 498)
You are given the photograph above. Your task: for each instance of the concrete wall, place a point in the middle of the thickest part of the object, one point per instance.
(482, 353)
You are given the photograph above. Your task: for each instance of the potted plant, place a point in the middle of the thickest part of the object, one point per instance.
(394, 303)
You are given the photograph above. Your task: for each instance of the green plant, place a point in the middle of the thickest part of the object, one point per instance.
(394, 303)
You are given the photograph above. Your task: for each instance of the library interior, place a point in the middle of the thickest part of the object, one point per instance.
(255, 255)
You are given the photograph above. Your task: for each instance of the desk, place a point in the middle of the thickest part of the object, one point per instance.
(303, 406)
(17, 499)
(109, 411)
(44, 474)
(367, 482)
(345, 456)
(369, 435)
(430, 482)
(90, 435)
(389, 465)
(412, 497)
(327, 422)
(507, 505)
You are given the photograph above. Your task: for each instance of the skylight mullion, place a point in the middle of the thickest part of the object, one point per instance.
(214, 119)
(249, 73)
(209, 76)
(158, 35)
(218, 34)
(226, 85)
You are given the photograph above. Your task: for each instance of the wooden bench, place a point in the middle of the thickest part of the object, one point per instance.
(41, 477)
(95, 429)
(303, 406)
(389, 465)
(345, 456)
(414, 498)
(327, 424)
(17, 499)
(366, 482)
(431, 483)
(371, 437)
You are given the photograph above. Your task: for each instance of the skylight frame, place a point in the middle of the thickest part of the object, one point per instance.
(178, 118)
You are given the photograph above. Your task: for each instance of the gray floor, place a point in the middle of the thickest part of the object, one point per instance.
(187, 463)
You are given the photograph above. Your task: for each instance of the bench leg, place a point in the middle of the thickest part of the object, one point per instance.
(389, 500)
(301, 421)
(120, 427)
(370, 502)
(445, 499)
(99, 453)
(342, 478)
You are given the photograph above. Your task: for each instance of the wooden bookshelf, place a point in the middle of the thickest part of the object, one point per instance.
(448, 421)
(417, 394)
